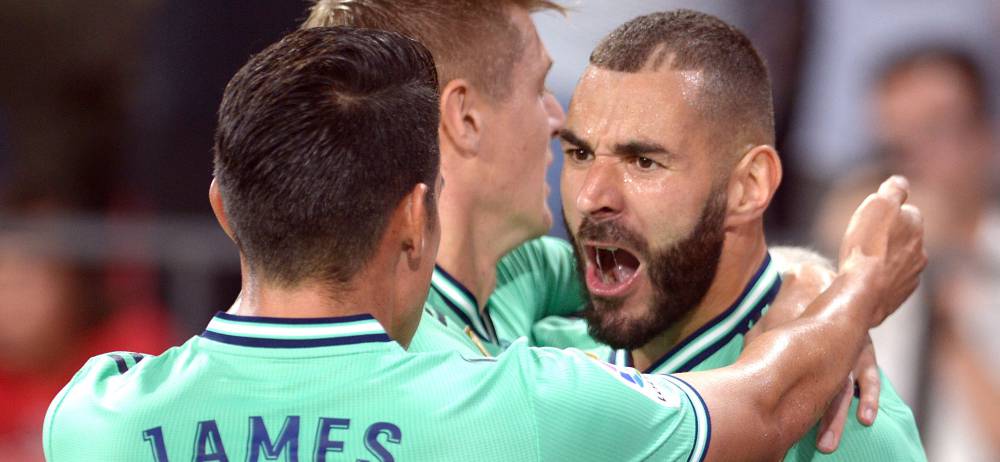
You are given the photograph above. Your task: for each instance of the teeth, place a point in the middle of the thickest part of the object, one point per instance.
(600, 267)
(616, 271)
(617, 268)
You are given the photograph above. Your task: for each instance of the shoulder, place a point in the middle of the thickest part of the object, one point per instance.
(626, 415)
(101, 369)
(81, 406)
(537, 252)
(104, 374)
(575, 375)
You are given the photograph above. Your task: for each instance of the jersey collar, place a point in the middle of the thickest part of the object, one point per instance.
(265, 332)
(703, 343)
(463, 304)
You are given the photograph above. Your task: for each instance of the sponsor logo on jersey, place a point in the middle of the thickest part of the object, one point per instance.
(661, 393)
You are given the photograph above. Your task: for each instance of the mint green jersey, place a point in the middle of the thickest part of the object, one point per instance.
(535, 280)
(893, 436)
(252, 388)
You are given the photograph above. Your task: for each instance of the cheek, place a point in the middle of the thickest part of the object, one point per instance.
(664, 211)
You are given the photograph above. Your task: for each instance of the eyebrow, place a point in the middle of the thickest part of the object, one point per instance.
(568, 136)
(640, 148)
(633, 148)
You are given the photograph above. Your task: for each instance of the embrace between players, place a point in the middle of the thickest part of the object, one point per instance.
(388, 200)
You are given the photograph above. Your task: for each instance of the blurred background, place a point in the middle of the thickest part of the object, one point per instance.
(107, 241)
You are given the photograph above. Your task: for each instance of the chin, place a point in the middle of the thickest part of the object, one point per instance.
(539, 225)
(546, 220)
(620, 326)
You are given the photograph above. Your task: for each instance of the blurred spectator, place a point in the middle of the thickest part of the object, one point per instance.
(933, 124)
(849, 39)
(57, 311)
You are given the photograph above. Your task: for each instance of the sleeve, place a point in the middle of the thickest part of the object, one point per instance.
(565, 294)
(52, 426)
(586, 409)
(893, 436)
(547, 269)
(565, 332)
(78, 426)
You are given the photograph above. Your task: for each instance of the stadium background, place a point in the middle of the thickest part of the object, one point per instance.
(107, 241)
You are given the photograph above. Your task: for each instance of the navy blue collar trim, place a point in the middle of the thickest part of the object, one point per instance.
(294, 343)
(461, 315)
(459, 285)
(295, 321)
(272, 332)
(486, 321)
(742, 328)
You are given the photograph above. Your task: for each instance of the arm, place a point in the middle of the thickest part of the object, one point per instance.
(784, 379)
(805, 275)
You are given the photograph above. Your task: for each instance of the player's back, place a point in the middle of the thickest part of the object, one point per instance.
(264, 389)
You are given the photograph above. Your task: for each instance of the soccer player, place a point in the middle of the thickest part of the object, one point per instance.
(326, 179)
(494, 278)
(669, 167)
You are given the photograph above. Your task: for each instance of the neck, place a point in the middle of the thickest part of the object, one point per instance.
(473, 239)
(743, 250)
(314, 298)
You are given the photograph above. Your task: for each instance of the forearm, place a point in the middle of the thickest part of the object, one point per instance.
(783, 380)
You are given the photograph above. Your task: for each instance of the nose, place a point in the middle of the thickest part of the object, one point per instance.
(600, 195)
(556, 115)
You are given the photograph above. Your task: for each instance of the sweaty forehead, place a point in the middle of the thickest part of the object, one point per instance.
(655, 104)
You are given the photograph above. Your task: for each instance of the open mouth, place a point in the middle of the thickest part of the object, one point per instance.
(611, 271)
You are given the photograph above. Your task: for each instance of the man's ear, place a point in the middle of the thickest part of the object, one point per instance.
(461, 117)
(417, 230)
(752, 185)
(215, 198)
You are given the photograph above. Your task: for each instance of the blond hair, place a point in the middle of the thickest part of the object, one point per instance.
(470, 39)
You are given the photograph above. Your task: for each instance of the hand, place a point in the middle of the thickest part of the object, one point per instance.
(884, 246)
(804, 276)
(866, 376)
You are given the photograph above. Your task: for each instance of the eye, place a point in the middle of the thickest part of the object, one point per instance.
(578, 154)
(645, 163)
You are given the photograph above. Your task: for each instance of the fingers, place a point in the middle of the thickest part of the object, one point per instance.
(915, 220)
(912, 215)
(867, 376)
(896, 188)
(831, 426)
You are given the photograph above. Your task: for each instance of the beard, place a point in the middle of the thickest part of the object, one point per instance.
(680, 276)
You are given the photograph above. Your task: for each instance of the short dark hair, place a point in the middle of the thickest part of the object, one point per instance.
(319, 138)
(939, 54)
(472, 39)
(736, 93)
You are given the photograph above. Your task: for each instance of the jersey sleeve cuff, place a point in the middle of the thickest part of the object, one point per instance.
(703, 420)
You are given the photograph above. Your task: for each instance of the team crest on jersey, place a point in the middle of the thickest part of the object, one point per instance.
(646, 385)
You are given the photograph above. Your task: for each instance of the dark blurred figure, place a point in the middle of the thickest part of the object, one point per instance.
(67, 69)
(934, 125)
(190, 50)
